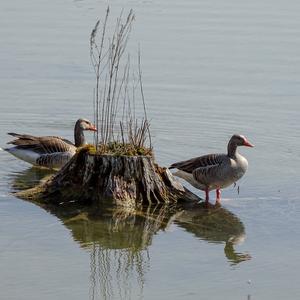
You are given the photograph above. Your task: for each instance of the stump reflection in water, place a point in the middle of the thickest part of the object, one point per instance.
(118, 238)
(118, 241)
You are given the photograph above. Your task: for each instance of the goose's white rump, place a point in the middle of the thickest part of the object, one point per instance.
(23, 154)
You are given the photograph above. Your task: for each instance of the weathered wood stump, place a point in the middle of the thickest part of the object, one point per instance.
(123, 180)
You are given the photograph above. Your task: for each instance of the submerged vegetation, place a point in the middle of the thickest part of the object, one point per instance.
(118, 90)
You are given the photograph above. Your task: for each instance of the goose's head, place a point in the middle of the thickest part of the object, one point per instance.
(85, 124)
(240, 140)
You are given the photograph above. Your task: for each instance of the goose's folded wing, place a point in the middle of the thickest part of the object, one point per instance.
(205, 161)
(206, 174)
(42, 145)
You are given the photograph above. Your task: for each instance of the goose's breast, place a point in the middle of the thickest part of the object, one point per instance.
(237, 169)
(229, 172)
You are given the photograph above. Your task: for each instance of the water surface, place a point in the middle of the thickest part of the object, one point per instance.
(210, 69)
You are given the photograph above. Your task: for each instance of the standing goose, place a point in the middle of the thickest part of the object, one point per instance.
(215, 171)
(49, 151)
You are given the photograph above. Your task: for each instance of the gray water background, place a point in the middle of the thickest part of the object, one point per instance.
(210, 69)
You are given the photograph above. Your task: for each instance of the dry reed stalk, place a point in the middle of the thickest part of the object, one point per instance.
(116, 120)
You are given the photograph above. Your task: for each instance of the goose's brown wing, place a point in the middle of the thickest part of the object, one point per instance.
(42, 145)
(205, 161)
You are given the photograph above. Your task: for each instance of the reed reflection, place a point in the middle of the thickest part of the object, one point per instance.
(118, 238)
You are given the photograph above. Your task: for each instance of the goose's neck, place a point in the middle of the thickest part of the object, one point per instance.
(232, 150)
(79, 136)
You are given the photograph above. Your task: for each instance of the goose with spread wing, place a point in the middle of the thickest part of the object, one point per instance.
(49, 151)
(215, 171)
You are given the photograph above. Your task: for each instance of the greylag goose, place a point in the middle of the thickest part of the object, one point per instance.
(49, 151)
(215, 171)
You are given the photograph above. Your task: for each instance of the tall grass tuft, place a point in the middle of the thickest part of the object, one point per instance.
(117, 88)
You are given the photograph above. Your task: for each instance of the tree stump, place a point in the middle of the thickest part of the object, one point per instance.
(90, 178)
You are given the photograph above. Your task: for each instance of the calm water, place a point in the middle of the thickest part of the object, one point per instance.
(210, 69)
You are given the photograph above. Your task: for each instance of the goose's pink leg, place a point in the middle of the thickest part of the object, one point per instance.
(218, 198)
(206, 196)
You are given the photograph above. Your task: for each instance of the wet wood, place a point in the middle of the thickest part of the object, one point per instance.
(121, 180)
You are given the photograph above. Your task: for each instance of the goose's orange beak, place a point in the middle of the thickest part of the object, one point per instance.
(247, 143)
(92, 128)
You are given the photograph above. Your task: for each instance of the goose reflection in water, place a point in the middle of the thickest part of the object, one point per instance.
(29, 178)
(118, 238)
(215, 225)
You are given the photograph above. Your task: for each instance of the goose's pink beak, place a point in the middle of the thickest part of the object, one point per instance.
(247, 143)
(92, 128)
